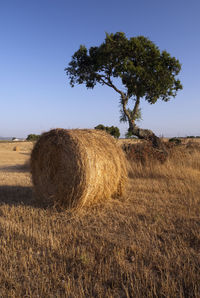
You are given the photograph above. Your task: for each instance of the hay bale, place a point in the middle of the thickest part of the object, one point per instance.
(16, 148)
(73, 168)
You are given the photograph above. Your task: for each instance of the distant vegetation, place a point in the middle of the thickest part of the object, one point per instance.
(112, 130)
(176, 141)
(32, 137)
(192, 137)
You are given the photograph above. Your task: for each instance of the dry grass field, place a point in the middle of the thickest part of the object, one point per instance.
(146, 244)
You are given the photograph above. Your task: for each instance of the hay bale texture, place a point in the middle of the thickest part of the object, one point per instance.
(73, 168)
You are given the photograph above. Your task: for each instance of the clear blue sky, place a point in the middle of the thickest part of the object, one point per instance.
(38, 38)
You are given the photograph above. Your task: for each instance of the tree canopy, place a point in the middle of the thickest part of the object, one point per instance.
(144, 71)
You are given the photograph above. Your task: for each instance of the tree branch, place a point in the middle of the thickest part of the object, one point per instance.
(124, 97)
(110, 84)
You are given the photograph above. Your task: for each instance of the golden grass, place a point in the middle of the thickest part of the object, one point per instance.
(146, 245)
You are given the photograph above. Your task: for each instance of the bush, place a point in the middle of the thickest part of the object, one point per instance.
(176, 141)
(112, 130)
(32, 137)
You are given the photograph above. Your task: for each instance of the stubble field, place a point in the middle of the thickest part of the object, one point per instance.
(146, 244)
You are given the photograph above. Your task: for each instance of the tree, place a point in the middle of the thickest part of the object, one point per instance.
(112, 130)
(144, 71)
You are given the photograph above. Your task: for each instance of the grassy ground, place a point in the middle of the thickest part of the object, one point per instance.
(146, 244)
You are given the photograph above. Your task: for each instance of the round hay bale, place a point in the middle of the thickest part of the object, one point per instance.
(73, 168)
(16, 148)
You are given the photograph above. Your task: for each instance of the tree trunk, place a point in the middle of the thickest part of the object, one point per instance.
(147, 134)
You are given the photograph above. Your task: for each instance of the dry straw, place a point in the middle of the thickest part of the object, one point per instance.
(73, 168)
(16, 148)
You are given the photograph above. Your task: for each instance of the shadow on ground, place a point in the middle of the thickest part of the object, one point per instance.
(16, 168)
(19, 195)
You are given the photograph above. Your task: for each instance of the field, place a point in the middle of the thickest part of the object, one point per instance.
(146, 244)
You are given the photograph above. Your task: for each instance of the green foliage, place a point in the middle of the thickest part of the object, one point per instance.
(129, 135)
(136, 116)
(32, 137)
(143, 69)
(175, 141)
(112, 130)
(100, 126)
(192, 137)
